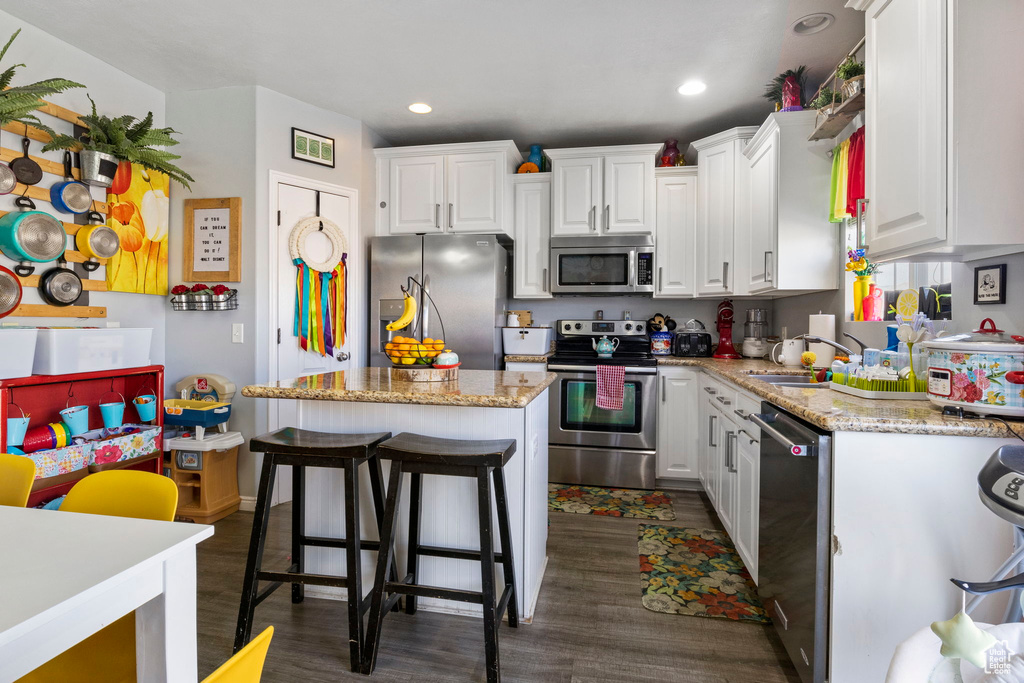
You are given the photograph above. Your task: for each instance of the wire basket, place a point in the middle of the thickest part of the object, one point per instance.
(205, 302)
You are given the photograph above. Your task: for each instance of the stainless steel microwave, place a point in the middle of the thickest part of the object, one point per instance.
(610, 264)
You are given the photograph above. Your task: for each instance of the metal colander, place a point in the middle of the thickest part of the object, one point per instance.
(76, 196)
(104, 242)
(10, 291)
(65, 287)
(42, 237)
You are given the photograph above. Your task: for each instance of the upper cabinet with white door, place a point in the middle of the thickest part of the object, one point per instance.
(531, 221)
(675, 237)
(721, 197)
(943, 142)
(603, 190)
(458, 188)
(784, 242)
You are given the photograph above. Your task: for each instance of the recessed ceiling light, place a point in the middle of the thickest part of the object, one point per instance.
(419, 108)
(812, 23)
(692, 88)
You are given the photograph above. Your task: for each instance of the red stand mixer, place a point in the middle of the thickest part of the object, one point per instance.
(725, 348)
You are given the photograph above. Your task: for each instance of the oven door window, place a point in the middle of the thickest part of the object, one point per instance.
(593, 269)
(580, 412)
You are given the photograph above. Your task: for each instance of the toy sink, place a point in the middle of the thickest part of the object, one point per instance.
(184, 413)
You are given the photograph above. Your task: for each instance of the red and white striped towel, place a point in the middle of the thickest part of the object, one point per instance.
(610, 385)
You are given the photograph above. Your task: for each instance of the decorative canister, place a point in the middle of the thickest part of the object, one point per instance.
(535, 156)
(661, 343)
(981, 371)
(671, 151)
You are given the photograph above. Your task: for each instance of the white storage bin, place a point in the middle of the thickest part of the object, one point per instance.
(17, 351)
(71, 350)
(526, 341)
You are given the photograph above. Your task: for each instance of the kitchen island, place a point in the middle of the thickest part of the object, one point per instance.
(480, 405)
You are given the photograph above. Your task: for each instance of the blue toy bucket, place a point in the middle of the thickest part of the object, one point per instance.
(145, 406)
(16, 427)
(113, 413)
(76, 418)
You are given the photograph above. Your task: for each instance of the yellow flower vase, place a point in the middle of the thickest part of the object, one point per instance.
(861, 288)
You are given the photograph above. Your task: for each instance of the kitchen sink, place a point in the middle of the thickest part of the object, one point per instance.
(801, 381)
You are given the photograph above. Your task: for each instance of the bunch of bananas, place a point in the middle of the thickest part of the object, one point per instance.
(408, 313)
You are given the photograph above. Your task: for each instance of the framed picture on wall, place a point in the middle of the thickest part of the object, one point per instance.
(316, 149)
(990, 284)
(213, 240)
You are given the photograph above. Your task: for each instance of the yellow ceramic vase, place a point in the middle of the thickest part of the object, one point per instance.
(861, 288)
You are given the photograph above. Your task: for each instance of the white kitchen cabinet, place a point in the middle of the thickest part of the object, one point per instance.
(675, 234)
(785, 218)
(603, 190)
(459, 188)
(941, 144)
(728, 485)
(677, 423)
(577, 190)
(747, 462)
(531, 230)
(721, 196)
(709, 417)
(525, 367)
(416, 193)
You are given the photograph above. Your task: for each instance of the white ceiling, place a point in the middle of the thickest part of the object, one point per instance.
(557, 72)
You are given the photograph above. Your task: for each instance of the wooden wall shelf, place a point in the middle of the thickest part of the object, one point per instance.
(43, 195)
(45, 311)
(834, 124)
(87, 285)
(48, 165)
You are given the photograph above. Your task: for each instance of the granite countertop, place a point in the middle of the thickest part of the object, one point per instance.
(477, 388)
(529, 359)
(840, 412)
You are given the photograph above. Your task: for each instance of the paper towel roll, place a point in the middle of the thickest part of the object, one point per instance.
(822, 325)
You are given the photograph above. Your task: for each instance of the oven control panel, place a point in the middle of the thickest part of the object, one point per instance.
(598, 328)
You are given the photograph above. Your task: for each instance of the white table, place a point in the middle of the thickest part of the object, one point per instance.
(64, 576)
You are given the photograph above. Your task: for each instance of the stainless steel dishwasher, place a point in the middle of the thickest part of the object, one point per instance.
(795, 527)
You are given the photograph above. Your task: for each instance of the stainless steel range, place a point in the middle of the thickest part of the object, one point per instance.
(591, 445)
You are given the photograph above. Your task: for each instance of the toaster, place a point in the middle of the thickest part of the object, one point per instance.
(692, 344)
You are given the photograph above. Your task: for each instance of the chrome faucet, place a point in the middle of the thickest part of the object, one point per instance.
(821, 340)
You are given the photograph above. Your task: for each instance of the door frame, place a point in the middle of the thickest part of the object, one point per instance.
(356, 286)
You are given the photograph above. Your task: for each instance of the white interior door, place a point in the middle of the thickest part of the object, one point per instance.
(295, 203)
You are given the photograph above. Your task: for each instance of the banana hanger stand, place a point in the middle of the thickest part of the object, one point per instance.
(320, 286)
(409, 311)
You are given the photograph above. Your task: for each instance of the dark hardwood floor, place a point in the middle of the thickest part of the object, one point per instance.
(590, 626)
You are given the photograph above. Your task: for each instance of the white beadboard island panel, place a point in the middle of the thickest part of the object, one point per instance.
(449, 512)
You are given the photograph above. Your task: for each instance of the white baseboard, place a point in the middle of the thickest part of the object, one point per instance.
(532, 605)
(247, 504)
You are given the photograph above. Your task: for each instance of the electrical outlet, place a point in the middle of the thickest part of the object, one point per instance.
(237, 333)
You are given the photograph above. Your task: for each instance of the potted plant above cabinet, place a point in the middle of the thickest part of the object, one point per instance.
(784, 242)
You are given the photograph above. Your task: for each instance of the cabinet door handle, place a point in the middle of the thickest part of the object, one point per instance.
(740, 414)
(725, 275)
(768, 278)
(451, 210)
(437, 216)
(744, 433)
(861, 242)
(661, 279)
(662, 389)
(730, 450)
(710, 390)
(723, 400)
(544, 281)
(711, 431)
(607, 215)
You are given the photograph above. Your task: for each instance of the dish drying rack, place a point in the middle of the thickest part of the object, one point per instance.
(896, 389)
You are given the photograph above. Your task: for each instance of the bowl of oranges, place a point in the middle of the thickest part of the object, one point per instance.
(411, 351)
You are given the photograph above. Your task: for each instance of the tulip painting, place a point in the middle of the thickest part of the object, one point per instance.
(139, 214)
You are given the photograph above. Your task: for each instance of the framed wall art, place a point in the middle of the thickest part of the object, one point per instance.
(990, 284)
(213, 240)
(316, 149)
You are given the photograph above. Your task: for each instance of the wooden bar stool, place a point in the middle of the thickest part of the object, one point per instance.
(480, 460)
(301, 448)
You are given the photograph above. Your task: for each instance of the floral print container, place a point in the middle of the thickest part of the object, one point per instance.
(129, 443)
(982, 371)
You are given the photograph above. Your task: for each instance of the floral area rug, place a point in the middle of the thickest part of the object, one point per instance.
(594, 500)
(696, 572)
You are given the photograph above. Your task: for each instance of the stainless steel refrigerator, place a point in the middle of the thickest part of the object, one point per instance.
(467, 278)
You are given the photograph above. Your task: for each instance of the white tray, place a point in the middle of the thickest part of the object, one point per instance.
(890, 395)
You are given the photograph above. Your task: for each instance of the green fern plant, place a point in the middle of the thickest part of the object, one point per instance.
(128, 139)
(18, 102)
(773, 89)
(825, 98)
(850, 68)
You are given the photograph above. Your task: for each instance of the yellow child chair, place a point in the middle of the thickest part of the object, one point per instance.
(108, 656)
(16, 476)
(247, 664)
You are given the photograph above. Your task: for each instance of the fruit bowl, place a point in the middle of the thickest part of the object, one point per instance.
(409, 351)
